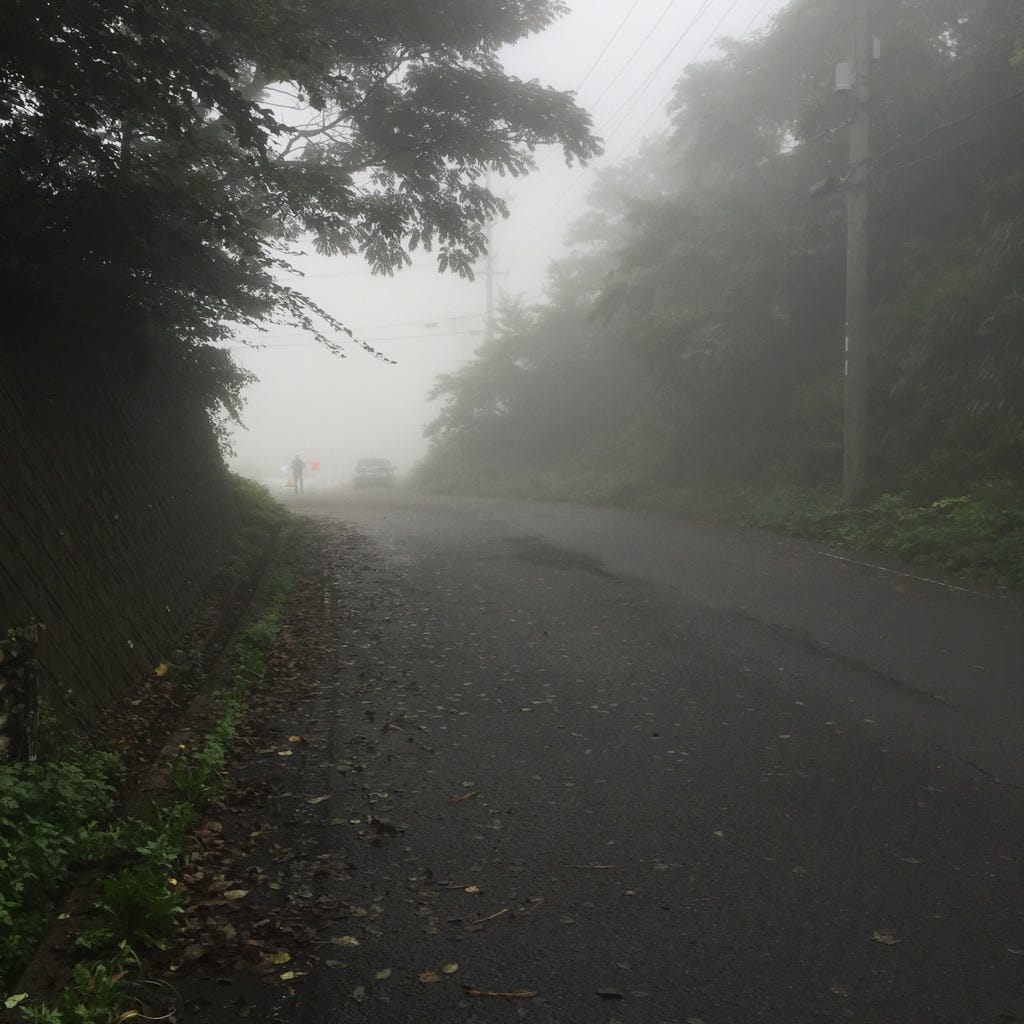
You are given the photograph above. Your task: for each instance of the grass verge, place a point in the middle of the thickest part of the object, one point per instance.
(56, 822)
(978, 535)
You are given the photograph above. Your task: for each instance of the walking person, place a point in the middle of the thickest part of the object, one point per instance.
(297, 467)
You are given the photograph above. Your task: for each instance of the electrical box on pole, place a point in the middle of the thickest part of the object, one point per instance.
(858, 177)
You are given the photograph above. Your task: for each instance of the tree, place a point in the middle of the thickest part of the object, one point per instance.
(725, 256)
(157, 160)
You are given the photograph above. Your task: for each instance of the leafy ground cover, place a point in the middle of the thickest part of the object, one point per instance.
(978, 535)
(60, 821)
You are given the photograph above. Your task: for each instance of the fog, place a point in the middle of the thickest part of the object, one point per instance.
(622, 60)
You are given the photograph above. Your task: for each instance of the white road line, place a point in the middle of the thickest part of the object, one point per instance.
(908, 575)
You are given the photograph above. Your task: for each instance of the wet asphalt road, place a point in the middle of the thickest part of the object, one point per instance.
(654, 772)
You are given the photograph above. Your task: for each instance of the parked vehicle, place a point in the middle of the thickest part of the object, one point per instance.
(373, 473)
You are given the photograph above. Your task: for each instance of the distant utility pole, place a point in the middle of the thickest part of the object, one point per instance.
(489, 274)
(854, 420)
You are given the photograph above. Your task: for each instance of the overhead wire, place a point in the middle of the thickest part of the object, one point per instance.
(660, 105)
(255, 345)
(639, 47)
(425, 321)
(910, 143)
(611, 39)
(635, 96)
(575, 183)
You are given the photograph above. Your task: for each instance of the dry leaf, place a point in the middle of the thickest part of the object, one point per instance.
(886, 938)
(294, 739)
(292, 975)
(279, 958)
(428, 977)
(284, 753)
(383, 975)
(236, 894)
(472, 888)
(465, 796)
(317, 799)
(162, 669)
(450, 968)
(345, 940)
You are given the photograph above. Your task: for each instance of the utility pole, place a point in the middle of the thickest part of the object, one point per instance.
(854, 419)
(489, 274)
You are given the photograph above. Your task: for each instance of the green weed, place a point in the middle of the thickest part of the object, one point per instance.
(50, 824)
(96, 995)
(140, 904)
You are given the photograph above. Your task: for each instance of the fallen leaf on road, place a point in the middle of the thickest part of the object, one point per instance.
(472, 888)
(383, 975)
(292, 975)
(359, 994)
(285, 753)
(428, 977)
(236, 894)
(294, 739)
(279, 958)
(450, 968)
(465, 796)
(162, 669)
(345, 940)
(519, 993)
(317, 799)
(886, 938)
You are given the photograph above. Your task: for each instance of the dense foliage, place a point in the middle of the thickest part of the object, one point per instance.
(708, 313)
(157, 158)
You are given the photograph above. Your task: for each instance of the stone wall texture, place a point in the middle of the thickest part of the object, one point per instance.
(114, 510)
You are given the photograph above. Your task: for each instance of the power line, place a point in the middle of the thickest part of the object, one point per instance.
(366, 272)
(985, 136)
(640, 46)
(255, 345)
(574, 184)
(634, 98)
(664, 99)
(612, 38)
(948, 124)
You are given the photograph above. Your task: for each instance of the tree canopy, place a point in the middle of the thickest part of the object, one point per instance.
(157, 160)
(724, 274)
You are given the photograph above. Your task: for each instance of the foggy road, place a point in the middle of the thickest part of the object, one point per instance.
(601, 766)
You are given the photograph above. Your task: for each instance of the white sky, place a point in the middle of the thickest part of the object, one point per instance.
(621, 57)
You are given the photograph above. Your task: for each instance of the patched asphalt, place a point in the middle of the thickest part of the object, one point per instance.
(506, 769)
